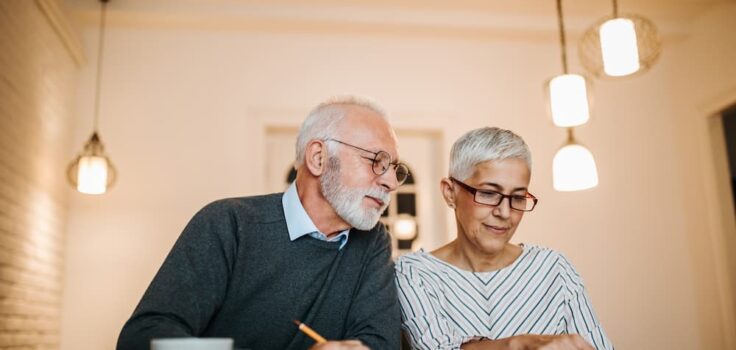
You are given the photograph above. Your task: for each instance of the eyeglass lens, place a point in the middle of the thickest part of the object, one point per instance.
(382, 162)
(493, 198)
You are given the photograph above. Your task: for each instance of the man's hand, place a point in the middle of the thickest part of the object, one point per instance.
(532, 342)
(340, 345)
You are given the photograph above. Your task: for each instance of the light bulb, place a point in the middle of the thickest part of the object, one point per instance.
(573, 169)
(405, 228)
(619, 47)
(568, 99)
(92, 175)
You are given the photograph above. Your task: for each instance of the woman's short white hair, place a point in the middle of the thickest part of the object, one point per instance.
(484, 144)
(323, 120)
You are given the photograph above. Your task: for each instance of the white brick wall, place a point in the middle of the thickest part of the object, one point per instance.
(36, 84)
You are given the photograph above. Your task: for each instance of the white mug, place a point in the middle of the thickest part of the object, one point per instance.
(192, 344)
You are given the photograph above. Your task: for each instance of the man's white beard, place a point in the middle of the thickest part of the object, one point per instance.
(348, 202)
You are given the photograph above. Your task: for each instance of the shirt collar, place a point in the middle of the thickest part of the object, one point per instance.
(298, 222)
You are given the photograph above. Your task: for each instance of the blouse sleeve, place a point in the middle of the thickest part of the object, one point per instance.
(421, 316)
(579, 315)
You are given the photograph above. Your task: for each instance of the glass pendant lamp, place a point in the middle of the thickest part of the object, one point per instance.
(567, 94)
(92, 172)
(573, 167)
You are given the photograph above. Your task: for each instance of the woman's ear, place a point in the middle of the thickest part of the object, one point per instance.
(315, 157)
(448, 192)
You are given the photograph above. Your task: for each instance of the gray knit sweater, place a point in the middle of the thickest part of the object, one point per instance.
(234, 273)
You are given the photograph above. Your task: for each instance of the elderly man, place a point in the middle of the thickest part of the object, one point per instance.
(245, 268)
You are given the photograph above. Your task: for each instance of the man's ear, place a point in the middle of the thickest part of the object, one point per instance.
(315, 157)
(448, 192)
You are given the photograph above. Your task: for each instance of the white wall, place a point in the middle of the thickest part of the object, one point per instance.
(703, 83)
(182, 120)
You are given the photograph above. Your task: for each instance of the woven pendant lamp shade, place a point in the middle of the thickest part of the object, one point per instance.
(648, 43)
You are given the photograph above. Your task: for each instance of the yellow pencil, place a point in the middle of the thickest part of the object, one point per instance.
(310, 332)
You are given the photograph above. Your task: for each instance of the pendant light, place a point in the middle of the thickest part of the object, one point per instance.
(404, 229)
(567, 94)
(91, 172)
(573, 167)
(620, 45)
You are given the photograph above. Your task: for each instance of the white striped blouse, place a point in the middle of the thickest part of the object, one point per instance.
(443, 307)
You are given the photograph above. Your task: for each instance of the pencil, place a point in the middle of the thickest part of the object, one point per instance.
(310, 332)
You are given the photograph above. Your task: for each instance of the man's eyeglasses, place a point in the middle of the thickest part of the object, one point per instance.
(382, 162)
(488, 197)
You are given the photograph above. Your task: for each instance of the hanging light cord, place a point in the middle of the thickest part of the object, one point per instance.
(563, 46)
(615, 8)
(570, 136)
(100, 50)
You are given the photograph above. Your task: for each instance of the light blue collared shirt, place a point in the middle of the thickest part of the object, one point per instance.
(299, 223)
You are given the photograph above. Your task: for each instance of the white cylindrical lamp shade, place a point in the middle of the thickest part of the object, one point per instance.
(573, 169)
(92, 175)
(619, 47)
(568, 100)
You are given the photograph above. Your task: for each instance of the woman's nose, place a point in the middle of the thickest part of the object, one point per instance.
(503, 209)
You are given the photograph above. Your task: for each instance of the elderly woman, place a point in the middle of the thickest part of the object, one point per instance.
(480, 291)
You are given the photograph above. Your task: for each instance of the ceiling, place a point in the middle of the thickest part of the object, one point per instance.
(510, 19)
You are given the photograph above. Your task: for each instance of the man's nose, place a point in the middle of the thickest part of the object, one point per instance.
(388, 179)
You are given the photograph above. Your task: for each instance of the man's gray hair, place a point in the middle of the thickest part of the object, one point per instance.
(323, 120)
(484, 144)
